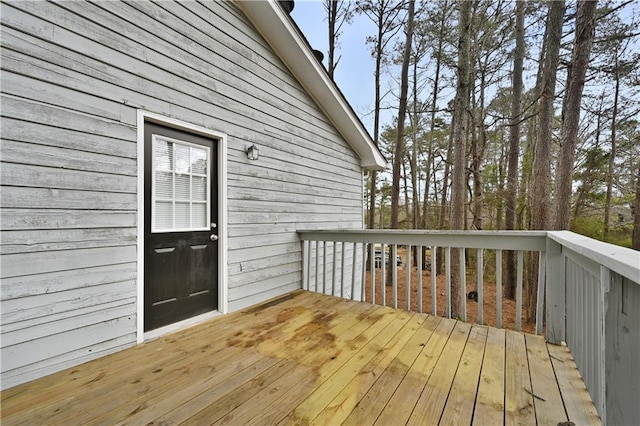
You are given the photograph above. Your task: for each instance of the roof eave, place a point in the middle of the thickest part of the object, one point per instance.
(285, 40)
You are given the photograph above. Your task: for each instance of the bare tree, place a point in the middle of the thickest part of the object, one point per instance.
(585, 30)
(385, 14)
(460, 120)
(339, 13)
(541, 169)
(636, 213)
(613, 152)
(541, 186)
(402, 111)
(514, 147)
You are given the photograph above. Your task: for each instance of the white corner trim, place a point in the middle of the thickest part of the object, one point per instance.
(223, 301)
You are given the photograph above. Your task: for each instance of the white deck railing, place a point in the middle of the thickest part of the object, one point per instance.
(592, 292)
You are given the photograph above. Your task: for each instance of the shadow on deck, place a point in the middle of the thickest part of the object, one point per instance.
(309, 358)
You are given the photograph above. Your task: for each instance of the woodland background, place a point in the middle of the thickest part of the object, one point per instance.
(516, 104)
(507, 115)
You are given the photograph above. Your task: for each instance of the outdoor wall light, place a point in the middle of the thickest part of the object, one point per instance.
(253, 153)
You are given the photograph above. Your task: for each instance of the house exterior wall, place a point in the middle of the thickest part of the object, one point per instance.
(74, 77)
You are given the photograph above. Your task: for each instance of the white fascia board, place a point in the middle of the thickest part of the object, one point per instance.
(274, 25)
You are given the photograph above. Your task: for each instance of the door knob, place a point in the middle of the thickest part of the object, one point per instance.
(213, 237)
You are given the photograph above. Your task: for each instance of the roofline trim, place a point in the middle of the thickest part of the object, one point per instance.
(290, 46)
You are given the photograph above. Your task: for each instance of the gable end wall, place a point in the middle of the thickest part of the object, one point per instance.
(74, 75)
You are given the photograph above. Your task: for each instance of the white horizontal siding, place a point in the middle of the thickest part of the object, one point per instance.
(74, 76)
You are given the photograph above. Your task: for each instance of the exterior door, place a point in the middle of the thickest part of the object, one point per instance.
(181, 253)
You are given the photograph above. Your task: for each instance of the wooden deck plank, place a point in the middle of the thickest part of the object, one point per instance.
(334, 345)
(519, 408)
(325, 392)
(310, 358)
(163, 350)
(546, 395)
(576, 398)
(346, 347)
(375, 400)
(242, 394)
(430, 405)
(144, 409)
(407, 395)
(161, 374)
(179, 413)
(276, 340)
(300, 378)
(461, 401)
(489, 408)
(349, 397)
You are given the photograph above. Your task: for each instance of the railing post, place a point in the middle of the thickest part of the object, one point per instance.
(541, 291)
(353, 272)
(499, 288)
(603, 392)
(305, 264)
(556, 284)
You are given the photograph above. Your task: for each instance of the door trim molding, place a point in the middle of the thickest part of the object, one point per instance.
(223, 303)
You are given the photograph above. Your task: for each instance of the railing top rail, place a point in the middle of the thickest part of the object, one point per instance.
(506, 240)
(621, 260)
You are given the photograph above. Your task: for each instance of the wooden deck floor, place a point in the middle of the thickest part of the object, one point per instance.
(307, 358)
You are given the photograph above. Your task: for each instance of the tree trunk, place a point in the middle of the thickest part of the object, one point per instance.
(585, 30)
(542, 152)
(612, 153)
(402, 109)
(415, 203)
(461, 106)
(514, 148)
(501, 190)
(586, 187)
(376, 126)
(541, 170)
(444, 198)
(332, 9)
(636, 214)
(405, 181)
(431, 158)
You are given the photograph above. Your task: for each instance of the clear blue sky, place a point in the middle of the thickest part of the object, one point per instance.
(354, 74)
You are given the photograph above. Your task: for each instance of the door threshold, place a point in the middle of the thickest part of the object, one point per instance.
(181, 325)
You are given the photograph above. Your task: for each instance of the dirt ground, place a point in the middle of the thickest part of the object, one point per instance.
(489, 305)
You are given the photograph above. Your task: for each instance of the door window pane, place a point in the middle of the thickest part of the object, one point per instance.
(164, 215)
(182, 219)
(199, 214)
(164, 185)
(199, 188)
(183, 187)
(164, 155)
(181, 155)
(199, 161)
(180, 181)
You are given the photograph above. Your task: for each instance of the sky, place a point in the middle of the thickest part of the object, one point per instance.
(354, 73)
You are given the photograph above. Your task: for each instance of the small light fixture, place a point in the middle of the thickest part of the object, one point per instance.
(253, 153)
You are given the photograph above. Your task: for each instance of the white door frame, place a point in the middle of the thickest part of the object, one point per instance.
(222, 221)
